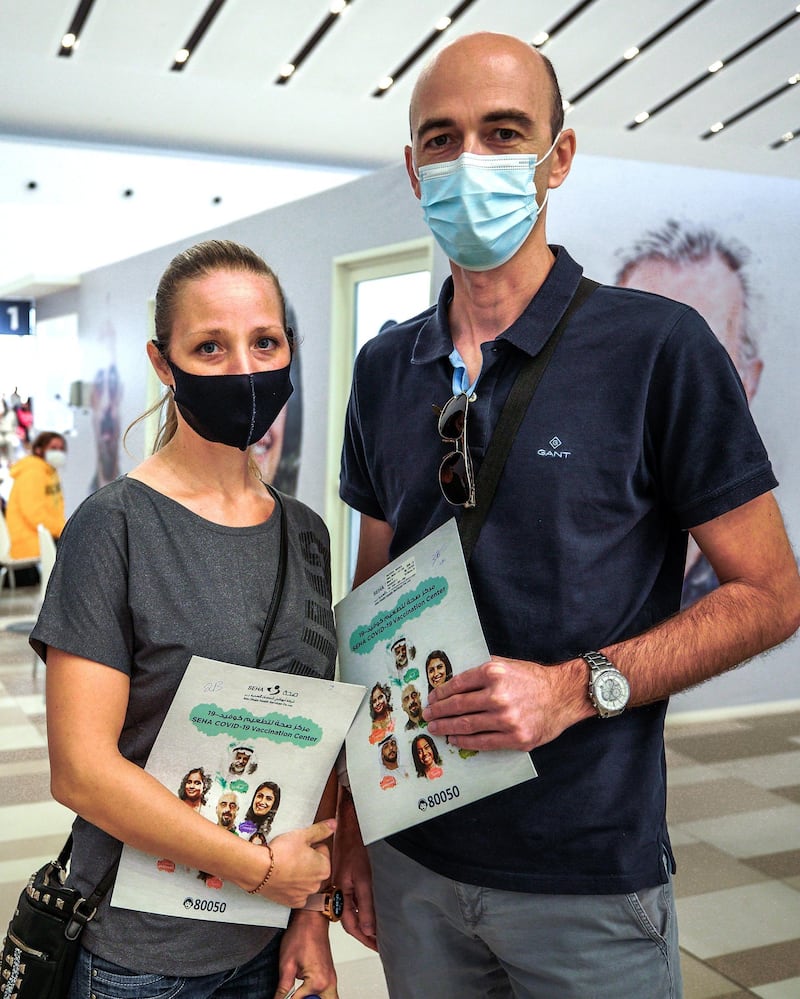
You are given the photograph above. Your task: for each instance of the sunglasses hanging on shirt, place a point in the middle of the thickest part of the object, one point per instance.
(456, 477)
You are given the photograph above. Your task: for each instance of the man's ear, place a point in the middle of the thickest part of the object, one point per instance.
(562, 157)
(410, 171)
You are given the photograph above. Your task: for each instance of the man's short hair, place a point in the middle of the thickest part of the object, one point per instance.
(679, 245)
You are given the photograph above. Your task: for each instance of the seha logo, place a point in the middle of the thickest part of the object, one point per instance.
(556, 449)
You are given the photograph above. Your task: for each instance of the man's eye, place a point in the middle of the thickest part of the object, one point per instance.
(439, 140)
(506, 133)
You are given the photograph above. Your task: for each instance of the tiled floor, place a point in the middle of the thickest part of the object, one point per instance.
(734, 812)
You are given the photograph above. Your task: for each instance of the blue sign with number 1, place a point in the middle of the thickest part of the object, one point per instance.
(15, 316)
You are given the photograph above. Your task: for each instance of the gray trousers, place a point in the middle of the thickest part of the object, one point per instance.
(444, 939)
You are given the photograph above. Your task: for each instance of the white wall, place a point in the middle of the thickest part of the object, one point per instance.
(605, 204)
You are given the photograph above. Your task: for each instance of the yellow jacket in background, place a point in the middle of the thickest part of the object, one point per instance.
(35, 498)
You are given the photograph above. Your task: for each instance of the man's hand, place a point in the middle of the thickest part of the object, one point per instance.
(509, 704)
(353, 874)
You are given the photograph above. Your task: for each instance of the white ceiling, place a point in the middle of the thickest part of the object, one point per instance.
(114, 118)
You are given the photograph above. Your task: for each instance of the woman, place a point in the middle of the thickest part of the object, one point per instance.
(437, 669)
(380, 711)
(179, 558)
(261, 813)
(36, 496)
(194, 788)
(427, 761)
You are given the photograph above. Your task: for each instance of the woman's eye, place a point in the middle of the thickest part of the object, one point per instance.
(266, 342)
(209, 347)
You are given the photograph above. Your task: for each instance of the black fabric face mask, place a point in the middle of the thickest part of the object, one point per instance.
(236, 410)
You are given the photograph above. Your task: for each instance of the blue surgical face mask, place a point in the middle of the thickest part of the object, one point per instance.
(481, 209)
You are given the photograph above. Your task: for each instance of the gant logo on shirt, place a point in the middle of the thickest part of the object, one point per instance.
(556, 449)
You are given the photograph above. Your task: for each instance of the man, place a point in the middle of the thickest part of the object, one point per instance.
(699, 268)
(227, 809)
(400, 650)
(106, 396)
(241, 760)
(559, 887)
(412, 705)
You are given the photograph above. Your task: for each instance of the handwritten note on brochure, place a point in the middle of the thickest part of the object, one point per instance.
(251, 750)
(401, 633)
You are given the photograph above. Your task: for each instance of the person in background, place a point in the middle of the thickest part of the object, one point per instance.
(695, 265)
(36, 497)
(639, 432)
(8, 433)
(175, 559)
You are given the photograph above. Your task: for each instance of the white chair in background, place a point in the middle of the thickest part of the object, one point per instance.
(9, 565)
(47, 559)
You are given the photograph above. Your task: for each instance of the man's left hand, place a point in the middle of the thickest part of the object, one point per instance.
(509, 704)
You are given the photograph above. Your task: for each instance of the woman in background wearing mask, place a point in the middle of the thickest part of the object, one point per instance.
(36, 496)
(179, 558)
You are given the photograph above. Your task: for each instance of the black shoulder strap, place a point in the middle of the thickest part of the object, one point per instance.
(516, 405)
(280, 579)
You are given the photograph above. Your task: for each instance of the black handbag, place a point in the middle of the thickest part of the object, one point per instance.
(42, 941)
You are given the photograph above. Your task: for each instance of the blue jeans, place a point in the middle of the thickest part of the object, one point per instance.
(442, 938)
(258, 979)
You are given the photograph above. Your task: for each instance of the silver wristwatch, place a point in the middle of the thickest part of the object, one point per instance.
(609, 690)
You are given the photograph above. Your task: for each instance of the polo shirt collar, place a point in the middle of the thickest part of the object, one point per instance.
(531, 330)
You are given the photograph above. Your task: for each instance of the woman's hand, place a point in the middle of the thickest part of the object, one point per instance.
(306, 955)
(301, 865)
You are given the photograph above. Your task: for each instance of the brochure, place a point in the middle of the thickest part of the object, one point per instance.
(407, 629)
(253, 750)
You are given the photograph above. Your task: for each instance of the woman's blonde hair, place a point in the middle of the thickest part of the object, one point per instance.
(196, 262)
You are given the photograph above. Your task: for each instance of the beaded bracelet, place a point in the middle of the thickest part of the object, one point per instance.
(268, 875)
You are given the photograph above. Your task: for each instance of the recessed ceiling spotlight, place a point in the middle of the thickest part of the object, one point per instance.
(216, 200)
(32, 185)
(128, 192)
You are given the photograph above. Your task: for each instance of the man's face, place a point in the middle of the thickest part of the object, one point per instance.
(485, 94)
(412, 703)
(240, 760)
(715, 291)
(401, 655)
(389, 754)
(267, 452)
(227, 807)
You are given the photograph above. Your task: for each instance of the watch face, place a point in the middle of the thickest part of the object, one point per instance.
(612, 690)
(337, 904)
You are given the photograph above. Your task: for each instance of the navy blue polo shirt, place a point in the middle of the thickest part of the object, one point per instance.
(639, 430)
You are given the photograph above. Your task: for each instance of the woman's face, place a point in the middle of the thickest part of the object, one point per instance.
(193, 788)
(425, 753)
(263, 801)
(226, 323)
(437, 672)
(379, 705)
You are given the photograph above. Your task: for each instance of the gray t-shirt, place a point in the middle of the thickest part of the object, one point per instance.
(141, 584)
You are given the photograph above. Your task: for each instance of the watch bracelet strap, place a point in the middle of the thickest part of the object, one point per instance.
(516, 405)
